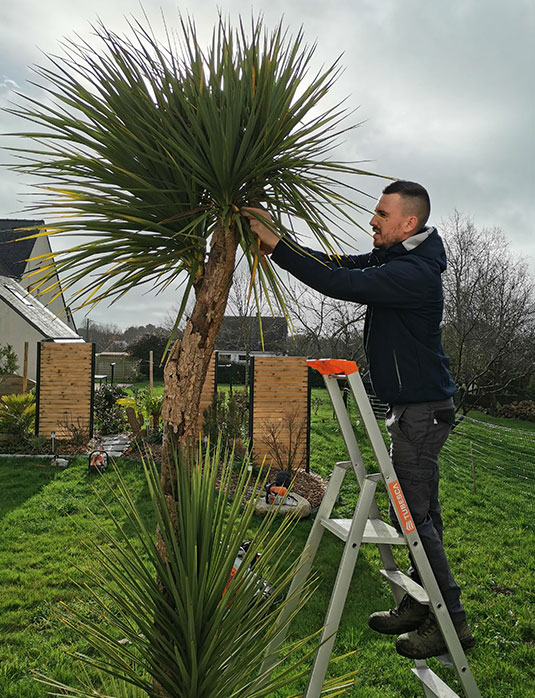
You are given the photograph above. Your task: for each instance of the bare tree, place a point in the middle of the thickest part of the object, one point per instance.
(489, 312)
(103, 335)
(325, 326)
(284, 438)
(243, 304)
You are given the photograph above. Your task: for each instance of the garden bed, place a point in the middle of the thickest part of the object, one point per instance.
(309, 485)
(42, 446)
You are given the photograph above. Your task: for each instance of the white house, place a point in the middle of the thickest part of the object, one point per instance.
(23, 316)
(19, 258)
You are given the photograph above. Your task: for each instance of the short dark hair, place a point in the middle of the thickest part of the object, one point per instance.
(415, 195)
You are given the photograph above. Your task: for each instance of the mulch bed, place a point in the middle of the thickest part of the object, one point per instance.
(63, 448)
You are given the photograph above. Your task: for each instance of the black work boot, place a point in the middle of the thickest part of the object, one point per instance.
(427, 641)
(409, 615)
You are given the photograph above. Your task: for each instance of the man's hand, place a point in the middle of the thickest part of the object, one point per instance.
(268, 240)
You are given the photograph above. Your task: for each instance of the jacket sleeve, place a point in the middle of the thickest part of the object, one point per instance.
(358, 261)
(399, 283)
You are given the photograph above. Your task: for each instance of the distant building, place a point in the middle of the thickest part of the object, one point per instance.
(240, 337)
(125, 367)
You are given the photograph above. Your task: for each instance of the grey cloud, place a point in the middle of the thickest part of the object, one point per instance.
(444, 89)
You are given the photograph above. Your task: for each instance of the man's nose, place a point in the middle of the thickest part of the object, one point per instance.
(373, 220)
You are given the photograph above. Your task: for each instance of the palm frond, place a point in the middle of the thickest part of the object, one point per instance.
(145, 146)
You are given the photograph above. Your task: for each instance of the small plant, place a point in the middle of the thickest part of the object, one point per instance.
(36, 444)
(8, 360)
(17, 415)
(109, 417)
(284, 440)
(147, 407)
(315, 404)
(77, 434)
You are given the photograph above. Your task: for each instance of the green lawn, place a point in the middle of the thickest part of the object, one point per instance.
(489, 535)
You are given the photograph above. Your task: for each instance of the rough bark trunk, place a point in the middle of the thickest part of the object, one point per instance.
(186, 367)
(188, 361)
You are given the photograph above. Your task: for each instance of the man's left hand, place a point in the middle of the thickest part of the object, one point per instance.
(268, 239)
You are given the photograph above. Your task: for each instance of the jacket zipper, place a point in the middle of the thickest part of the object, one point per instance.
(397, 370)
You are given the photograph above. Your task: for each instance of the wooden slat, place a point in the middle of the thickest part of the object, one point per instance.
(207, 394)
(65, 387)
(280, 387)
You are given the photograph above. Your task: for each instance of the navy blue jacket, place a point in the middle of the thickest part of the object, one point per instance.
(403, 291)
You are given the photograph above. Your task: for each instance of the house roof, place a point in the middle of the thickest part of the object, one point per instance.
(33, 311)
(13, 255)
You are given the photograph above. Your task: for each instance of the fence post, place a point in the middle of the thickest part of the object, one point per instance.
(25, 368)
(151, 368)
(473, 468)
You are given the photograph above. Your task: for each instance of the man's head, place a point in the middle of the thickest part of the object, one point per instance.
(402, 211)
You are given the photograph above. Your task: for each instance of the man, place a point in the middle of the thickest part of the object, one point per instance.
(400, 282)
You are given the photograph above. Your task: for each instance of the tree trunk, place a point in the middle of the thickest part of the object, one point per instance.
(186, 367)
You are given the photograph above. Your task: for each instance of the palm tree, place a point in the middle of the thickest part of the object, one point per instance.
(151, 150)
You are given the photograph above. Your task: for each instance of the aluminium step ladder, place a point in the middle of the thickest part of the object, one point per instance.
(366, 526)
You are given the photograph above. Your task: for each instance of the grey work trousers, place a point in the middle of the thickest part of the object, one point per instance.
(417, 433)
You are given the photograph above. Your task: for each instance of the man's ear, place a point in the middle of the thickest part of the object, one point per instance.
(411, 224)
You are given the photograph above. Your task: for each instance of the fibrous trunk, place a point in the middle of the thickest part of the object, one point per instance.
(188, 361)
(185, 372)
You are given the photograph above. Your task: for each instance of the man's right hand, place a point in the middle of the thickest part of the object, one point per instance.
(268, 240)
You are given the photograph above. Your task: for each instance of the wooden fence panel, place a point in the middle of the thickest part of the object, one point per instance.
(64, 388)
(208, 389)
(279, 426)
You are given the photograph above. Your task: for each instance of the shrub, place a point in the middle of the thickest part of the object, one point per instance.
(17, 415)
(284, 439)
(524, 409)
(109, 417)
(227, 417)
(147, 407)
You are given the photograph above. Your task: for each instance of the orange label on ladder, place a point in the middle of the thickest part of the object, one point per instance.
(401, 506)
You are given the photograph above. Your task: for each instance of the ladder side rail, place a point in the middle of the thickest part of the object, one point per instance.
(440, 610)
(359, 468)
(342, 415)
(413, 539)
(341, 586)
(350, 440)
(370, 424)
(348, 434)
(306, 560)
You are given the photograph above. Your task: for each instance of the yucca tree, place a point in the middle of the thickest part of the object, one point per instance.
(152, 149)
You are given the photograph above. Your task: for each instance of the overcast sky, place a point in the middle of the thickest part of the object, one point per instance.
(445, 89)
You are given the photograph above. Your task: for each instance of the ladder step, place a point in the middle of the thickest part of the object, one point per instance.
(434, 683)
(376, 531)
(408, 585)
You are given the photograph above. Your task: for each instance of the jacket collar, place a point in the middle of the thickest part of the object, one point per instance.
(415, 240)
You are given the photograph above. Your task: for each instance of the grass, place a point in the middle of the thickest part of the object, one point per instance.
(489, 535)
(490, 542)
(44, 529)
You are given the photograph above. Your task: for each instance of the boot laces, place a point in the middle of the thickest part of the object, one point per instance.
(404, 605)
(428, 627)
